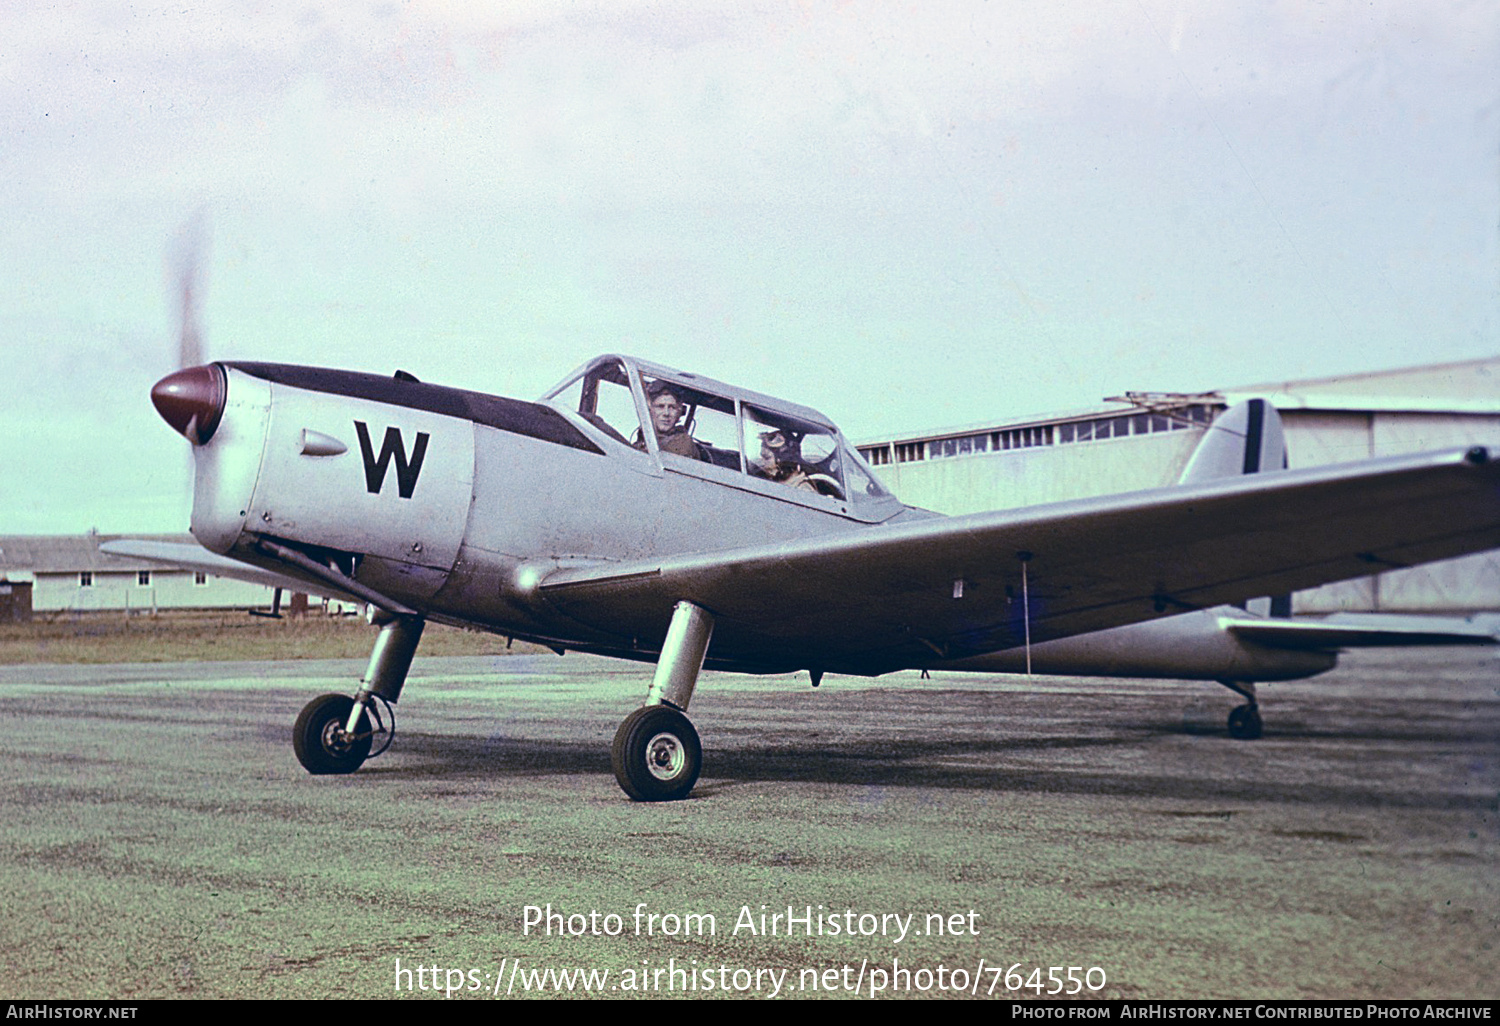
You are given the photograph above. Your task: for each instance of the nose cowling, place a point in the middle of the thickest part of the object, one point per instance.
(192, 401)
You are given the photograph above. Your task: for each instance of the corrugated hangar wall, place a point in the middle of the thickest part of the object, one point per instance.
(1327, 421)
(1048, 473)
(1455, 585)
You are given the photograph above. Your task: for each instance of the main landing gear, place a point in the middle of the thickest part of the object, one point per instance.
(1244, 720)
(656, 754)
(333, 732)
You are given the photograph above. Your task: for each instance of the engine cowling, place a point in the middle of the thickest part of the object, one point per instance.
(331, 473)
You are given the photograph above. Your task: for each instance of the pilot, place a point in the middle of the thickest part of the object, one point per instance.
(779, 461)
(666, 411)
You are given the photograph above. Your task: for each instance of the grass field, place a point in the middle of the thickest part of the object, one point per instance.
(180, 637)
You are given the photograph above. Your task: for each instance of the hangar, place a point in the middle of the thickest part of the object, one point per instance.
(1143, 440)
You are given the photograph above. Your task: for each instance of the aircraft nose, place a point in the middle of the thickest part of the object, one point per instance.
(191, 401)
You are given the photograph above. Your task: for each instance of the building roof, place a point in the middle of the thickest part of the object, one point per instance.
(71, 553)
(1470, 387)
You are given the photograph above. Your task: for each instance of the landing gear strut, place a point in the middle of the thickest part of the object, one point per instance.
(332, 734)
(1244, 720)
(656, 753)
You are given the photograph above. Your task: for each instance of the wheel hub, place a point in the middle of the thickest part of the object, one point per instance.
(665, 756)
(335, 739)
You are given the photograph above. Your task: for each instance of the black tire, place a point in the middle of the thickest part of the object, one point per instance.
(317, 736)
(656, 754)
(1244, 723)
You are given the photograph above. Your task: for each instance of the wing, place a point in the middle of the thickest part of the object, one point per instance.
(893, 596)
(196, 557)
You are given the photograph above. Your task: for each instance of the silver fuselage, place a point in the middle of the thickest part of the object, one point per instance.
(460, 506)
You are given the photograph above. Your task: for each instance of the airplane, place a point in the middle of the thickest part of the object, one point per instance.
(651, 514)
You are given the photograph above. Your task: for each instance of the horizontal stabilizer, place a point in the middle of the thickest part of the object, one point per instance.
(1374, 631)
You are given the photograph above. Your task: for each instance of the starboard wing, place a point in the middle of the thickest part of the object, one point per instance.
(893, 596)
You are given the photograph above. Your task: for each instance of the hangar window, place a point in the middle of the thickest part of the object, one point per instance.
(143, 578)
(86, 579)
(1178, 418)
(963, 446)
(1024, 438)
(200, 578)
(1146, 422)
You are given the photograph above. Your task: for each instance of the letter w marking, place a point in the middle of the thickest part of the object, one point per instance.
(393, 446)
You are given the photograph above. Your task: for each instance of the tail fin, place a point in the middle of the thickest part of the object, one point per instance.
(1245, 439)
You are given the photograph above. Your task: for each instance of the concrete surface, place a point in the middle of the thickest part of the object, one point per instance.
(160, 839)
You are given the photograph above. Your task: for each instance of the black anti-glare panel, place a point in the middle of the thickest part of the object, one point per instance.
(514, 415)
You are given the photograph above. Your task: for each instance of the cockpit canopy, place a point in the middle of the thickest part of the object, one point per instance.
(754, 440)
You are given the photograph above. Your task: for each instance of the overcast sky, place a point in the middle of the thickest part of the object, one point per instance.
(906, 215)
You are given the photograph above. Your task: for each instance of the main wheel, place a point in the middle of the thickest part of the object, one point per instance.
(319, 740)
(656, 754)
(1244, 723)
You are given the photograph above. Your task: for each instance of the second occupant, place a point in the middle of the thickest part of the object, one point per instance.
(779, 461)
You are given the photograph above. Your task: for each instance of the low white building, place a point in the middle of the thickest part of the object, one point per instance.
(1143, 440)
